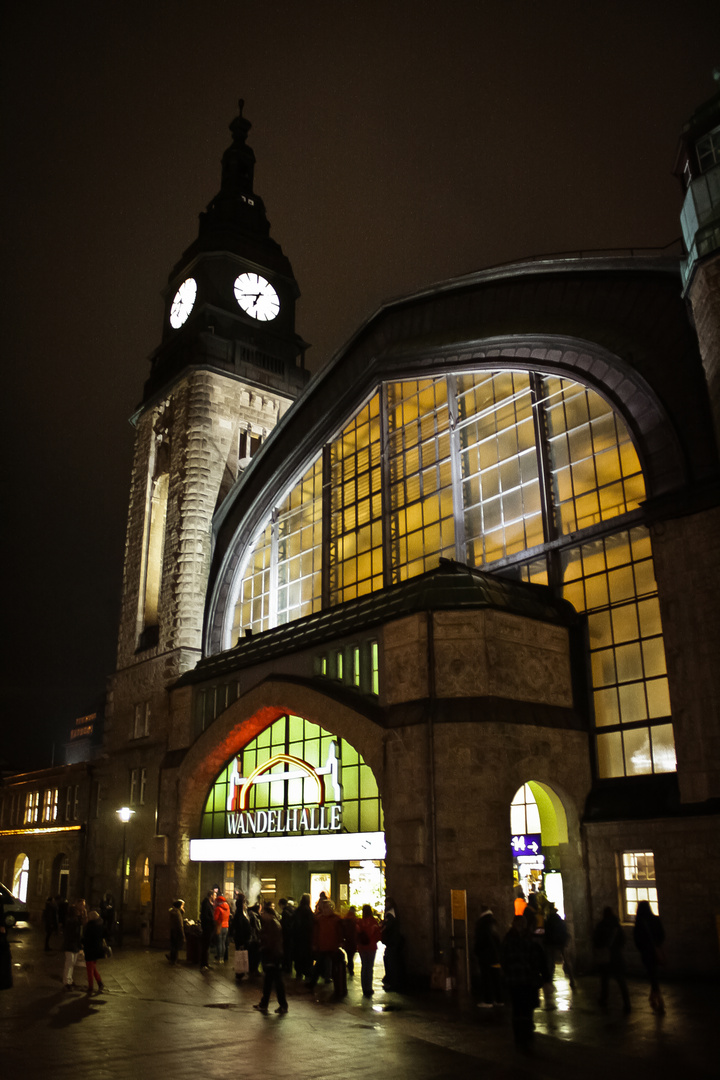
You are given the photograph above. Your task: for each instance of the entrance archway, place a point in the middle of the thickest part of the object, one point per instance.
(538, 826)
(293, 805)
(21, 873)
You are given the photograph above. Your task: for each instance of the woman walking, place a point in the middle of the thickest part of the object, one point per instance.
(94, 948)
(367, 937)
(649, 936)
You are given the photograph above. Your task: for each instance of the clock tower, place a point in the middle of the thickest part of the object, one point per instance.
(228, 366)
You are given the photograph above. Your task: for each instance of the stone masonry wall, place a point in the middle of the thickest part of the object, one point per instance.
(687, 870)
(688, 576)
(477, 653)
(476, 771)
(204, 416)
(705, 299)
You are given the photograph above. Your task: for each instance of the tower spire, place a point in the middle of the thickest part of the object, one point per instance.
(235, 219)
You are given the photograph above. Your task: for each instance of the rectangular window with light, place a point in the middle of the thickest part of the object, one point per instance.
(638, 882)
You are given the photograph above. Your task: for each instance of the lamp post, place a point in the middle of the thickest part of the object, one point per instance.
(124, 813)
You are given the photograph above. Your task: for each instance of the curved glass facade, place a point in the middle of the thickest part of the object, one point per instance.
(520, 473)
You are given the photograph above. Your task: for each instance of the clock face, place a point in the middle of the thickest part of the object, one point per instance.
(257, 297)
(183, 302)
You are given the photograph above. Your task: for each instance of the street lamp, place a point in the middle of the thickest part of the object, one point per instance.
(124, 813)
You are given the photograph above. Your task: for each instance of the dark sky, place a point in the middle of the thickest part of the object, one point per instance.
(398, 143)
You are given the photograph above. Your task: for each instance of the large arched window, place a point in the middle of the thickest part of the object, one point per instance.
(519, 473)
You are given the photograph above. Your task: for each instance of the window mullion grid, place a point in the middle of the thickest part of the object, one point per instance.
(385, 495)
(547, 501)
(273, 598)
(325, 567)
(456, 470)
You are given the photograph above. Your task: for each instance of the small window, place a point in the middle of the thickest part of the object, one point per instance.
(339, 665)
(32, 807)
(708, 151)
(375, 672)
(356, 665)
(50, 804)
(638, 874)
(141, 723)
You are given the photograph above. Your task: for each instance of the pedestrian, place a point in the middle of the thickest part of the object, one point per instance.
(303, 927)
(207, 926)
(50, 921)
(557, 940)
(72, 941)
(350, 923)
(367, 936)
(327, 939)
(649, 935)
(394, 943)
(525, 971)
(221, 914)
(241, 936)
(287, 914)
(608, 945)
(94, 949)
(487, 951)
(253, 914)
(271, 954)
(177, 929)
(62, 909)
(6, 979)
(107, 914)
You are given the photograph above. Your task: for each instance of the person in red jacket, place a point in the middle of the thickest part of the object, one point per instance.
(327, 939)
(368, 935)
(221, 914)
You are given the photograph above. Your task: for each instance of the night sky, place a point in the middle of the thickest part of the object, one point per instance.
(397, 143)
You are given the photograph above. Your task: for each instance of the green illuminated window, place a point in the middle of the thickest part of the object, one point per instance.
(359, 795)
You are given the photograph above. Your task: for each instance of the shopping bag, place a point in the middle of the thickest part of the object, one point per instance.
(241, 962)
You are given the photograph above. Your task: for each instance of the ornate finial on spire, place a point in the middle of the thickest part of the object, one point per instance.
(240, 126)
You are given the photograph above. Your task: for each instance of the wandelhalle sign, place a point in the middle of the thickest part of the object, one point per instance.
(298, 820)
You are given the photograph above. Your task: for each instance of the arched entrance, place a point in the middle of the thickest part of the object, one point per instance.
(538, 826)
(21, 872)
(296, 809)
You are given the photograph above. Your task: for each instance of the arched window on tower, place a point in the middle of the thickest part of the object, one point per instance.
(154, 537)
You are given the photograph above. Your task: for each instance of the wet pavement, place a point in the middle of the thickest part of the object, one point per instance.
(175, 1022)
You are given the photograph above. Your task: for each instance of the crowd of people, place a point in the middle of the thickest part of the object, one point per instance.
(525, 958)
(85, 937)
(311, 943)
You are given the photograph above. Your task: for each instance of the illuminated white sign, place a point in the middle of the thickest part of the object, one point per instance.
(324, 846)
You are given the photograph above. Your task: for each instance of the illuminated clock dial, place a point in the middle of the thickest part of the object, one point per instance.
(257, 297)
(183, 302)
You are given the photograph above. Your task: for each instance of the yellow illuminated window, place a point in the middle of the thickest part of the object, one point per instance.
(638, 876)
(356, 565)
(501, 489)
(595, 469)
(613, 580)
(422, 524)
